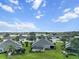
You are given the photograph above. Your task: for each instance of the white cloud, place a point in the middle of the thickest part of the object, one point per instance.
(37, 3)
(6, 8)
(39, 15)
(76, 10)
(44, 4)
(67, 10)
(68, 15)
(19, 8)
(28, 1)
(22, 26)
(61, 4)
(16, 2)
(0, 4)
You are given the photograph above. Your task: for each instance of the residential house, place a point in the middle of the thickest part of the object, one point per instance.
(54, 39)
(73, 45)
(42, 44)
(7, 43)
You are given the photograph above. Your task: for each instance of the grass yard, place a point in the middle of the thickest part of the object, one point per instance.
(48, 54)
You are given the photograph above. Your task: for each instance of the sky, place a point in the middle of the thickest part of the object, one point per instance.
(39, 15)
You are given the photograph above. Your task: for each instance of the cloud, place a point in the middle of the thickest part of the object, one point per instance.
(36, 3)
(44, 4)
(22, 26)
(29, 1)
(61, 4)
(39, 15)
(67, 10)
(76, 10)
(6, 8)
(68, 15)
(16, 2)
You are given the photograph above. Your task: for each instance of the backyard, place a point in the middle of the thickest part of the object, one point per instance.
(48, 54)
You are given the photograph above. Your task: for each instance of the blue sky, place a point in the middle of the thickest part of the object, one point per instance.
(39, 15)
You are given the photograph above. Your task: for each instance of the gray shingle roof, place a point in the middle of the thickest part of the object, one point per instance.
(42, 43)
(9, 42)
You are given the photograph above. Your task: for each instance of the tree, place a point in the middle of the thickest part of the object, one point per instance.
(32, 36)
(9, 48)
(6, 35)
(74, 46)
(49, 36)
(1, 39)
(75, 43)
(16, 38)
(64, 39)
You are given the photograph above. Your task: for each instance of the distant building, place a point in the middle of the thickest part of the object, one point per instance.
(54, 39)
(76, 36)
(22, 39)
(13, 35)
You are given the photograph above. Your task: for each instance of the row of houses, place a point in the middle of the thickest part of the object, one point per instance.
(38, 45)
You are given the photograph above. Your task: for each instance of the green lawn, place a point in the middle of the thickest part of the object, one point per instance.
(48, 54)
